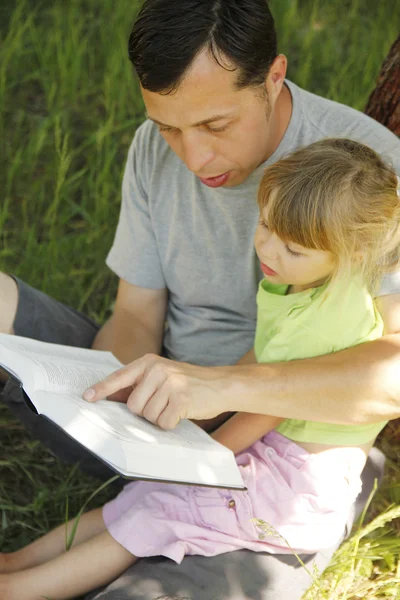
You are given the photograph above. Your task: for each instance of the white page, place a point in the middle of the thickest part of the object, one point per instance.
(19, 365)
(137, 448)
(116, 418)
(58, 368)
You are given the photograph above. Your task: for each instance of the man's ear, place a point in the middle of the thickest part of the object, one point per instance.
(276, 76)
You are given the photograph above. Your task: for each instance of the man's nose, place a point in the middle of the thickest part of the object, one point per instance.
(197, 153)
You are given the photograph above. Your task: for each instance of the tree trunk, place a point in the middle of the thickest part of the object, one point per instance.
(384, 106)
(384, 103)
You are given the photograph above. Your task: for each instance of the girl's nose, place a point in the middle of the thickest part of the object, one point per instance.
(270, 248)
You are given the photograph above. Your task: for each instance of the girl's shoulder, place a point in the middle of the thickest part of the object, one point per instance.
(345, 314)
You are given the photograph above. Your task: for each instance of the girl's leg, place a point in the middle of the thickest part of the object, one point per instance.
(85, 567)
(53, 543)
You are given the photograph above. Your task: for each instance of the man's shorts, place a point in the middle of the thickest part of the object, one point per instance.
(42, 318)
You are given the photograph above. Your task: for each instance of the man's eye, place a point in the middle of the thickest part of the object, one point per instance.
(217, 129)
(165, 129)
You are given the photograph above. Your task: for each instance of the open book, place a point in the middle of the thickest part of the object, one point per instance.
(55, 376)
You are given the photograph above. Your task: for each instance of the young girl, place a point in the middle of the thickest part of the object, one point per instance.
(329, 228)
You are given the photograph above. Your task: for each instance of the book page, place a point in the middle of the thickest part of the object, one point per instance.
(19, 365)
(136, 448)
(62, 368)
(118, 420)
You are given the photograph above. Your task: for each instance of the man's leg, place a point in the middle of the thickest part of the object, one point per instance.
(28, 312)
(8, 303)
(241, 575)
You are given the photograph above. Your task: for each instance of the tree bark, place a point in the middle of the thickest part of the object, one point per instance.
(384, 102)
(384, 106)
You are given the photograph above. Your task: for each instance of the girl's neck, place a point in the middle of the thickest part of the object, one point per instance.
(294, 289)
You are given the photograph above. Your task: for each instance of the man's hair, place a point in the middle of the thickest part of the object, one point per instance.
(336, 195)
(168, 35)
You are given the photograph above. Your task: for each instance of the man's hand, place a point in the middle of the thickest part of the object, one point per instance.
(164, 391)
(355, 386)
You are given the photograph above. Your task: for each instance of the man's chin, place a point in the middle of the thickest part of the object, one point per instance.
(236, 179)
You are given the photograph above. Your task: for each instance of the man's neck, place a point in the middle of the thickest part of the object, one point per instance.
(283, 112)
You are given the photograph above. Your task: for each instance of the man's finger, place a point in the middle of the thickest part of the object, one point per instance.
(126, 377)
(156, 405)
(120, 396)
(170, 417)
(143, 393)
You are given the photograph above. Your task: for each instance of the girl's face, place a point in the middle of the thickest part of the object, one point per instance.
(289, 263)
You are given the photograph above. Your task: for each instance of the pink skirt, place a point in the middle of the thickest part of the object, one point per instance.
(294, 501)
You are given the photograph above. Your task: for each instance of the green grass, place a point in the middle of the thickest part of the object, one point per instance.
(68, 109)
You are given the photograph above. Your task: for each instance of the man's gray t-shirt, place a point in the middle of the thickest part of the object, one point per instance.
(174, 232)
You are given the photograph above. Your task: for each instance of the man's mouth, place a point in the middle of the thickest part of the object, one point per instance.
(215, 181)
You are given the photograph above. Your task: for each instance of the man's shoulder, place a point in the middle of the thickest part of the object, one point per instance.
(320, 118)
(148, 143)
(150, 157)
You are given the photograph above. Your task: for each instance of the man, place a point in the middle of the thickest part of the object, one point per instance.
(219, 110)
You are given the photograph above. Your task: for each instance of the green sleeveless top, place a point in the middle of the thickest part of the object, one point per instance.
(311, 323)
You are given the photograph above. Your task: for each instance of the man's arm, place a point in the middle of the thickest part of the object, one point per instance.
(137, 324)
(212, 424)
(358, 385)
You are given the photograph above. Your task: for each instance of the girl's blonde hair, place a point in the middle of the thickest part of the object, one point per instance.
(337, 195)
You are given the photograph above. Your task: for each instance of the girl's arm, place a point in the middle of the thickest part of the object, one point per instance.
(243, 429)
(247, 359)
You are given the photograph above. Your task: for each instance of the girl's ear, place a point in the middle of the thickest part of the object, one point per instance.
(359, 257)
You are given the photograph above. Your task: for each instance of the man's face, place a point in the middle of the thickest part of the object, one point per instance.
(221, 133)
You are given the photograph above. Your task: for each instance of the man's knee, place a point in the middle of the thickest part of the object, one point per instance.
(8, 303)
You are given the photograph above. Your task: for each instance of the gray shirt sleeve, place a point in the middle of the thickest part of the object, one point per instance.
(390, 284)
(134, 255)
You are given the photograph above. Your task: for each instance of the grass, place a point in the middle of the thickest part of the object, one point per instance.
(69, 107)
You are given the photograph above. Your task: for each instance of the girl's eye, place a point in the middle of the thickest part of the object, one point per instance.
(291, 252)
(263, 224)
(164, 129)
